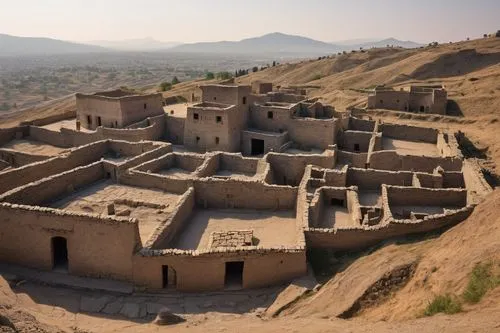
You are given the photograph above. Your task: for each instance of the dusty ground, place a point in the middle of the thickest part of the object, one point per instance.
(34, 147)
(410, 148)
(272, 229)
(96, 197)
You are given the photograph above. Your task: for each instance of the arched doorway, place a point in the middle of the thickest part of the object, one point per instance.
(59, 253)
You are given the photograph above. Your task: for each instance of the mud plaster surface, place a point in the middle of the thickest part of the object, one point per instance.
(234, 174)
(96, 197)
(409, 147)
(34, 147)
(68, 123)
(272, 229)
(370, 198)
(336, 216)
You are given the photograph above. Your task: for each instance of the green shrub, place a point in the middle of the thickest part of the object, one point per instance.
(316, 77)
(209, 76)
(481, 280)
(443, 303)
(164, 86)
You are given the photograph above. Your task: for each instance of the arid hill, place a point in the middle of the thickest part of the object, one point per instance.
(440, 264)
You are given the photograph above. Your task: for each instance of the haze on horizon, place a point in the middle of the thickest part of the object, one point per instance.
(214, 20)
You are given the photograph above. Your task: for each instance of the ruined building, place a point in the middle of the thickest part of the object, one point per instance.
(418, 98)
(226, 193)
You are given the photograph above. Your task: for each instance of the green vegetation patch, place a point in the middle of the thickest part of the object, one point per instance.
(443, 304)
(481, 280)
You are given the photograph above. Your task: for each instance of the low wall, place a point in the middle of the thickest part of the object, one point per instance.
(356, 139)
(97, 246)
(236, 162)
(357, 160)
(391, 160)
(409, 133)
(357, 124)
(48, 136)
(164, 234)
(371, 179)
(18, 159)
(288, 169)
(231, 193)
(151, 180)
(363, 237)
(411, 196)
(50, 188)
(174, 130)
(46, 167)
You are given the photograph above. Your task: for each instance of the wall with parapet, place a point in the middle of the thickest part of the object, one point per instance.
(409, 133)
(97, 246)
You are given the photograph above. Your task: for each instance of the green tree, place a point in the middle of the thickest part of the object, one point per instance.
(164, 86)
(255, 69)
(175, 80)
(209, 76)
(224, 75)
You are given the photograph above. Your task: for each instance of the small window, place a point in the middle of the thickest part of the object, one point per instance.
(244, 100)
(356, 147)
(215, 98)
(145, 106)
(270, 114)
(397, 101)
(195, 116)
(218, 119)
(171, 111)
(217, 140)
(381, 101)
(197, 139)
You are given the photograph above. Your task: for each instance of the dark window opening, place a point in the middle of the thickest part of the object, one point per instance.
(218, 119)
(337, 202)
(215, 98)
(356, 147)
(89, 120)
(426, 109)
(59, 253)
(164, 271)
(195, 116)
(99, 121)
(270, 114)
(197, 139)
(422, 108)
(216, 140)
(381, 101)
(397, 101)
(406, 108)
(244, 100)
(234, 275)
(171, 111)
(116, 124)
(257, 147)
(145, 106)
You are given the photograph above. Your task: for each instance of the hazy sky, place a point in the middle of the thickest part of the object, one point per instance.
(210, 20)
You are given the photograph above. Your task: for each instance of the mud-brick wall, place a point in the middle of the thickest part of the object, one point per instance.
(47, 167)
(357, 160)
(259, 270)
(259, 118)
(48, 189)
(164, 234)
(18, 158)
(230, 193)
(356, 239)
(428, 164)
(410, 133)
(412, 196)
(453, 180)
(289, 169)
(51, 137)
(97, 248)
(237, 163)
(371, 179)
(174, 130)
(8, 134)
(357, 124)
(144, 179)
(312, 133)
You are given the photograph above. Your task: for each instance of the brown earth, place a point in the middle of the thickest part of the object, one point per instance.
(471, 72)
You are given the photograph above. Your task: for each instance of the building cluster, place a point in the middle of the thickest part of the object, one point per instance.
(237, 186)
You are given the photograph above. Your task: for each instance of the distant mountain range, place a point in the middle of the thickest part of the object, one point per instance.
(279, 43)
(274, 43)
(19, 46)
(141, 44)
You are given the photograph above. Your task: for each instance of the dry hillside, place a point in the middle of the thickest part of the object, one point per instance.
(439, 265)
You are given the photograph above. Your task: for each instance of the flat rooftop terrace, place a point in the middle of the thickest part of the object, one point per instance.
(34, 147)
(67, 123)
(271, 229)
(179, 110)
(404, 147)
(149, 206)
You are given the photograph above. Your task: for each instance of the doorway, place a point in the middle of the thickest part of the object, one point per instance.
(59, 254)
(257, 147)
(99, 121)
(336, 202)
(234, 275)
(169, 278)
(356, 147)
